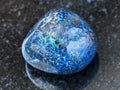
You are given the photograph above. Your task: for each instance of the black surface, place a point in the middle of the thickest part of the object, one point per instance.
(18, 16)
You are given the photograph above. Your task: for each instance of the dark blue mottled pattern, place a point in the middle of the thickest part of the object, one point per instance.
(61, 43)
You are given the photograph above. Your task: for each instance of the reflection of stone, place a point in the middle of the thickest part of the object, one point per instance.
(77, 81)
(61, 43)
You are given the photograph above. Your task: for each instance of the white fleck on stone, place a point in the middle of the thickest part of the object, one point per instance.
(69, 4)
(104, 10)
(18, 13)
(7, 41)
(115, 36)
(91, 17)
(4, 25)
(35, 61)
(89, 1)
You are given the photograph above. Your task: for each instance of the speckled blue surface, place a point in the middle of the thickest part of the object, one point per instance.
(60, 43)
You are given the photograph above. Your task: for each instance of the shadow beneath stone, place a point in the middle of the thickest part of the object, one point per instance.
(75, 81)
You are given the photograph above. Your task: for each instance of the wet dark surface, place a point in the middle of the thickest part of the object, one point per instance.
(18, 16)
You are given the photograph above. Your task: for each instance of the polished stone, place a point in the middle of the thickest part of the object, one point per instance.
(61, 43)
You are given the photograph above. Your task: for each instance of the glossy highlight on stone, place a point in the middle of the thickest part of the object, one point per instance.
(61, 43)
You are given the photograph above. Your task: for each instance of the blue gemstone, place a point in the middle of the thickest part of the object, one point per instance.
(60, 43)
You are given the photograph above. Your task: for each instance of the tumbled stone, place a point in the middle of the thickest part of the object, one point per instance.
(60, 43)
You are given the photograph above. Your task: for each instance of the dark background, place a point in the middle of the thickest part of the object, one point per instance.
(18, 16)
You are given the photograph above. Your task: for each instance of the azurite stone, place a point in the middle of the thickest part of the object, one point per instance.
(60, 43)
